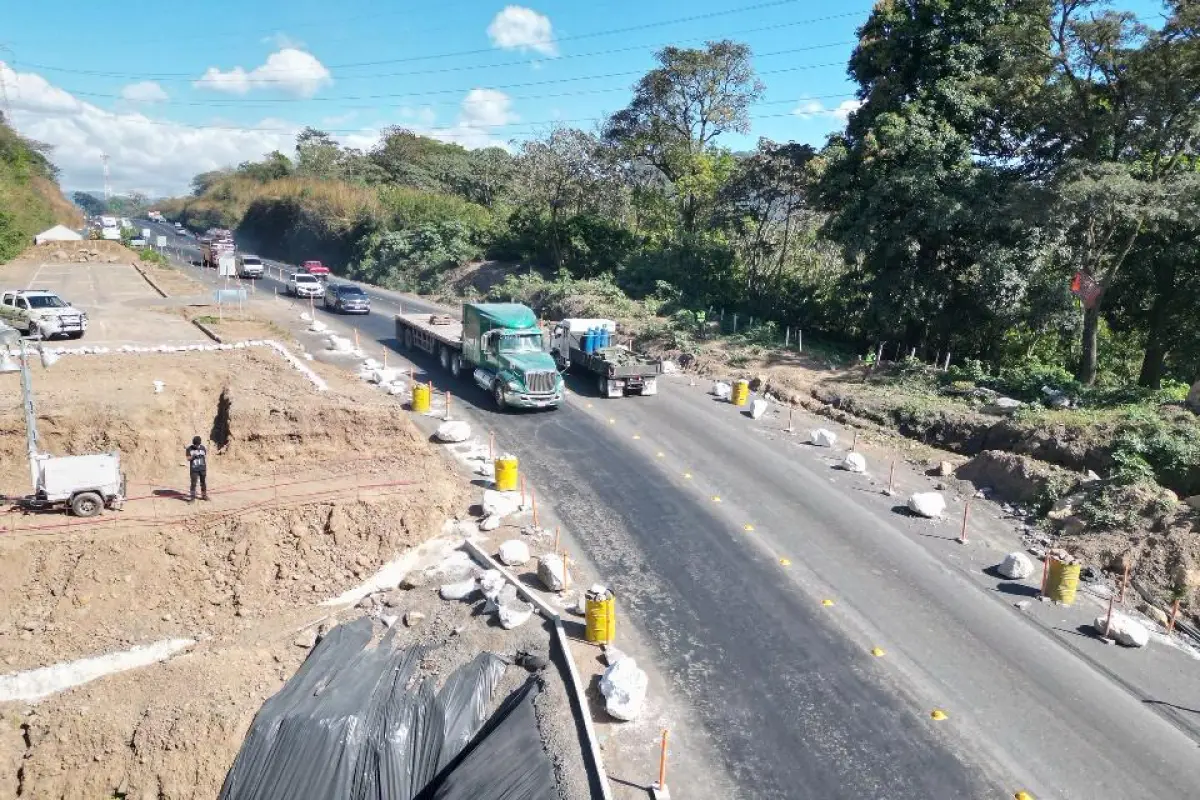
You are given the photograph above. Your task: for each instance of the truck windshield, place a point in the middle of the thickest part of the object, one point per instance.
(45, 301)
(521, 343)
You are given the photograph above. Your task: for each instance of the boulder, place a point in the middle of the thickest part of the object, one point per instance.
(855, 462)
(413, 618)
(722, 390)
(758, 409)
(513, 611)
(1016, 566)
(514, 553)
(489, 523)
(822, 437)
(927, 504)
(453, 432)
(492, 583)
(1155, 613)
(552, 571)
(944, 469)
(458, 591)
(1123, 629)
(500, 504)
(1002, 407)
(624, 688)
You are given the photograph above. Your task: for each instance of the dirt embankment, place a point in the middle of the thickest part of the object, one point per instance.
(311, 493)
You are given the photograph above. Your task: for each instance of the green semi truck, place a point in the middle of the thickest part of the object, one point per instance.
(502, 345)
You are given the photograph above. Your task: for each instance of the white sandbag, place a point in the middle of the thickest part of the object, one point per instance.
(318, 327)
(458, 591)
(305, 316)
(855, 462)
(514, 553)
(158, 387)
(453, 431)
(500, 504)
(489, 523)
(822, 437)
(624, 688)
(722, 390)
(758, 408)
(370, 363)
(927, 504)
(1016, 566)
(513, 612)
(552, 571)
(1124, 630)
(396, 388)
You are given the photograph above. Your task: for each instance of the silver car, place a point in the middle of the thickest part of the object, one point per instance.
(301, 284)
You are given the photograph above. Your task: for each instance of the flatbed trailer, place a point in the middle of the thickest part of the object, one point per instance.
(618, 369)
(439, 335)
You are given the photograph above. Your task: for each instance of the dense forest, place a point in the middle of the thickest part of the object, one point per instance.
(1018, 187)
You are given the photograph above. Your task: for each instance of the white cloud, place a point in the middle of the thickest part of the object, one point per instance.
(144, 92)
(159, 158)
(282, 41)
(814, 109)
(289, 70)
(486, 108)
(520, 28)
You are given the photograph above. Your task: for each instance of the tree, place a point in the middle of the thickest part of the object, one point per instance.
(273, 166)
(413, 160)
(91, 205)
(204, 181)
(318, 155)
(681, 107)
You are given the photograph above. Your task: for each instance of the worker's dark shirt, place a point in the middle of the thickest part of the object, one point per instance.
(198, 457)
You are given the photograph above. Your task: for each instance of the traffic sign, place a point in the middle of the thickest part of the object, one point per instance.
(160, 241)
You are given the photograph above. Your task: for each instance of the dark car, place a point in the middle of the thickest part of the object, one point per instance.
(346, 298)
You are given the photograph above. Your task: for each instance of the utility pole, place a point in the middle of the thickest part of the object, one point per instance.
(107, 186)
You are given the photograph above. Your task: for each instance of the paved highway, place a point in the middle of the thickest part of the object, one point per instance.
(659, 493)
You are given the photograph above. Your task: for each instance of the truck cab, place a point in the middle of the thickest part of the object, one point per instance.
(316, 268)
(507, 347)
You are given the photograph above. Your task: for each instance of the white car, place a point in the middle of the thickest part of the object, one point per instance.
(301, 284)
(40, 312)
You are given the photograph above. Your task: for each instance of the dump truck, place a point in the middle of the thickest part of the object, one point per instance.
(501, 343)
(586, 345)
(213, 246)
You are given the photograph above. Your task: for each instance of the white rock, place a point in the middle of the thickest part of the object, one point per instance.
(396, 388)
(512, 610)
(1016, 566)
(927, 504)
(722, 390)
(854, 462)
(822, 437)
(758, 408)
(514, 553)
(491, 583)
(552, 571)
(489, 523)
(1124, 630)
(370, 363)
(458, 591)
(453, 431)
(305, 316)
(624, 688)
(669, 367)
(500, 504)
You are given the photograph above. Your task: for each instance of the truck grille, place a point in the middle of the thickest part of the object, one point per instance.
(540, 382)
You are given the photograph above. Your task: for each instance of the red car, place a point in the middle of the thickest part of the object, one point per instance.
(316, 268)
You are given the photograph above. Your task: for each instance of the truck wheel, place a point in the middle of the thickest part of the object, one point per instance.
(408, 338)
(86, 504)
(602, 386)
(444, 357)
(498, 395)
(456, 364)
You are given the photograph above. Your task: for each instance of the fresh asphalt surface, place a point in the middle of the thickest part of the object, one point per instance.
(786, 686)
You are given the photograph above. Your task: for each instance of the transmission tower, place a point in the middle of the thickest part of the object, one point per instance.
(107, 187)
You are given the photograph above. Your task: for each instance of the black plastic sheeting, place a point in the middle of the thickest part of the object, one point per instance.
(355, 722)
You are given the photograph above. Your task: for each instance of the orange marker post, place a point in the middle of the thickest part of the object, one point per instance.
(1108, 619)
(1124, 582)
(566, 560)
(491, 446)
(892, 479)
(522, 491)
(1045, 573)
(447, 404)
(962, 536)
(385, 358)
(356, 339)
(662, 762)
(854, 444)
(533, 500)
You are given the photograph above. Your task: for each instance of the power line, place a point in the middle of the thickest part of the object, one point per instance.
(455, 54)
(460, 131)
(273, 102)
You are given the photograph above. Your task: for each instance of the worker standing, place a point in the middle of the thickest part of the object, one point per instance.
(197, 456)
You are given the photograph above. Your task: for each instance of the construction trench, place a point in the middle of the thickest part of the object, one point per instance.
(146, 652)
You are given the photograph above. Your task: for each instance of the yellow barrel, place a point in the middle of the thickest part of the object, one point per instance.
(420, 398)
(506, 473)
(601, 610)
(741, 393)
(1062, 581)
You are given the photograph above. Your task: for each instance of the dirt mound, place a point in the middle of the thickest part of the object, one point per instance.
(1016, 478)
(87, 250)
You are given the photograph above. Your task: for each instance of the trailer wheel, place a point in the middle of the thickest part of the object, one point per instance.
(456, 364)
(86, 504)
(602, 386)
(408, 338)
(444, 357)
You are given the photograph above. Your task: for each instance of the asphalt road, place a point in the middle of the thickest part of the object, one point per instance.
(659, 492)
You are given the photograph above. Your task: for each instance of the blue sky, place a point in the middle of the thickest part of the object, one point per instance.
(172, 89)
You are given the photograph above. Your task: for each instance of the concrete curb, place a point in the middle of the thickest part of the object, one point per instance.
(207, 331)
(575, 684)
(149, 280)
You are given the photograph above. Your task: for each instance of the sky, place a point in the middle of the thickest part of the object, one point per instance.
(170, 90)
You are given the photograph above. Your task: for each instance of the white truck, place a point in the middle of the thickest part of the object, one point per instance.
(42, 313)
(249, 266)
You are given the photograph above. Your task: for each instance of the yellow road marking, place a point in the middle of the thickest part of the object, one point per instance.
(937, 715)
(747, 527)
(877, 651)
(660, 455)
(637, 436)
(827, 603)
(716, 499)
(687, 475)
(784, 562)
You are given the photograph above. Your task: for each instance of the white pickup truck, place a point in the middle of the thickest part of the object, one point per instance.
(40, 312)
